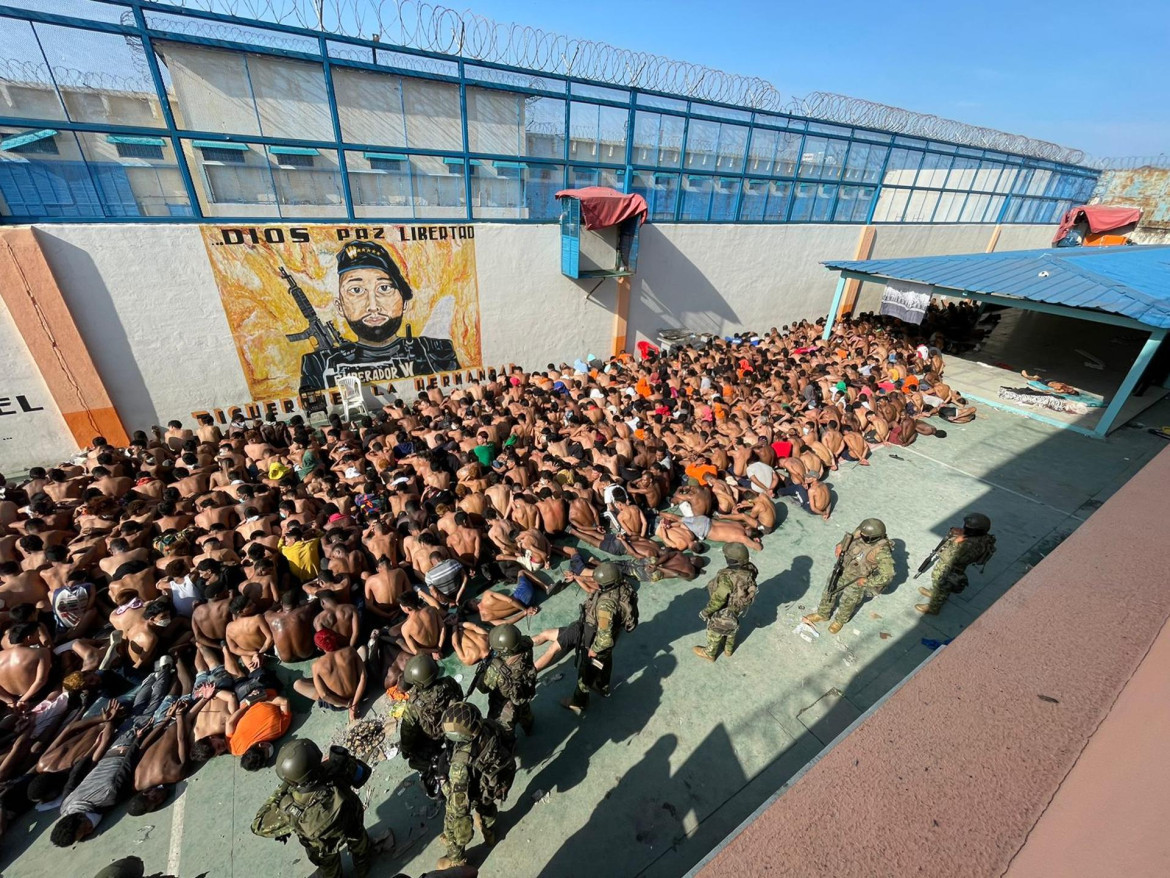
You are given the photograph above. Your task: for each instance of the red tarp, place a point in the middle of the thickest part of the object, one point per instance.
(602, 207)
(1099, 218)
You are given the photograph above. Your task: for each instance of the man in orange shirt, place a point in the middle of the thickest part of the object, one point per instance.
(252, 729)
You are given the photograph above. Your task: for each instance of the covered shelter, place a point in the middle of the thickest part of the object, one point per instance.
(1126, 286)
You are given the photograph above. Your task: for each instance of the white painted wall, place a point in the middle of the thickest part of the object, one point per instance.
(146, 302)
(720, 278)
(32, 431)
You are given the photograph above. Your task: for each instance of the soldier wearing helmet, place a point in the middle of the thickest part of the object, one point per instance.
(510, 678)
(429, 694)
(733, 590)
(970, 544)
(865, 559)
(480, 774)
(605, 613)
(316, 802)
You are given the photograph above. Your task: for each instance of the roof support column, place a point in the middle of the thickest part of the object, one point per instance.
(1135, 373)
(834, 308)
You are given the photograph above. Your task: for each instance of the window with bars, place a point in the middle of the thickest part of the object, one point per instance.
(226, 156)
(139, 151)
(44, 146)
(296, 161)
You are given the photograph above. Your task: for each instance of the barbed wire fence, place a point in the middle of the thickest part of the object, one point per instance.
(435, 28)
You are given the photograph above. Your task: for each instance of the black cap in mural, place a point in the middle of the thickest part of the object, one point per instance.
(367, 254)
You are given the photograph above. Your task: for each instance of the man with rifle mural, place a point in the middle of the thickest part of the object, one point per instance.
(372, 293)
(960, 548)
(865, 566)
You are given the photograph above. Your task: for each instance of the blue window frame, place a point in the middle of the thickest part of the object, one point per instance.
(433, 125)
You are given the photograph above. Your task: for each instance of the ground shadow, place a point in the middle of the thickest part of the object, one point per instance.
(678, 295)
(784, 588)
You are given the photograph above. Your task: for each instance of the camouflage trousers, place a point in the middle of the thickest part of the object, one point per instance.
(848, 600)
(360, 849)
(944, 586)
(718, 641)
(458, 830)
(510, 715)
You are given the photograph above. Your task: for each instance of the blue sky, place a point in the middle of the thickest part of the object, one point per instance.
(1081, 74)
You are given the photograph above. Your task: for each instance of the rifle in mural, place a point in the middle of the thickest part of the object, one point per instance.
(323, 333)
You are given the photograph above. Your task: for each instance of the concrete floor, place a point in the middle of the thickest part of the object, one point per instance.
(684, 751)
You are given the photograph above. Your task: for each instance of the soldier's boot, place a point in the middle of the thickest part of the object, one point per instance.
(813, 618)
(448, 863)
(926, 609)
(836, 626)
(701, 652)
(570, 704)
(925, 592)
(485, 822)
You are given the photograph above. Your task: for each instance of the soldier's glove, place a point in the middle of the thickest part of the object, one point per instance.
(704, 615)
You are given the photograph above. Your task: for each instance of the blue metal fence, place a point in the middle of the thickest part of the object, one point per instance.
(238, 120)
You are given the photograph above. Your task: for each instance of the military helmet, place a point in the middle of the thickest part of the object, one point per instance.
(607, 573)
(504, 638)
(462, 721)
(421, 671)
(873, 529)
(297, 761)
(976, 523)
(735, 553)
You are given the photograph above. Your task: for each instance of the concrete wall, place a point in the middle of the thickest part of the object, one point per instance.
(32, 431)
(145, 301)
(1148, 188)
(716, 278)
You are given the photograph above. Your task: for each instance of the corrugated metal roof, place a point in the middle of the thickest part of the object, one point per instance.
(1131, 281)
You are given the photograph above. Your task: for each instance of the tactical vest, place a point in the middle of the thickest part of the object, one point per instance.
(516, 674)
(320, 819)
(427, 705)
(743, 588)
(625, 600)
(861, 558)
(487, 764)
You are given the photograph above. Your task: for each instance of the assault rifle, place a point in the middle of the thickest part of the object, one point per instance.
(834, 585)
(480, 670)
(935, 552)
(323, 333)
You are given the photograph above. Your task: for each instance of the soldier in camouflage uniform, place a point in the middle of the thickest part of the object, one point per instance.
(971, 544)
(867, 567)
(482, 768)
(510, 679)
(429, 695)
(733, 590)
(605, 613)
(316, 803)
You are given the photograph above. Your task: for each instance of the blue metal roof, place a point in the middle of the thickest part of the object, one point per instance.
(1133, 281)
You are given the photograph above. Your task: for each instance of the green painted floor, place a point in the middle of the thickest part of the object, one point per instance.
(684, 751)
